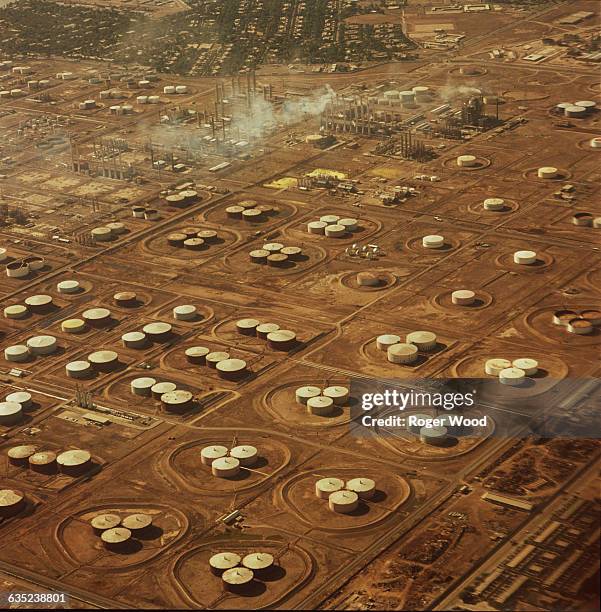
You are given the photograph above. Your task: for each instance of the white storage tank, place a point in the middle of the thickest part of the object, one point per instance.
(78, 369)
(402, 353)
(365, 488)
(42, 345)
(142, 386)
(524, 258)
(11, 413)
(547, 172)
(512, 376)
(225, 467)
(467, 161)
(326, 486)
(16, 353)
(246, 454)
(423, 340)
(494, 366)
(209, 453)
(343, 502)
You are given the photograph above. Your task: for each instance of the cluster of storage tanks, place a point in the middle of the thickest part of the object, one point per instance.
(512, 373)
(143, 212)
(227, 367)
(192, 238)
(108, 232)
(11, 93)
(154, 332)
(175, 89)
(97, 362)
(408, 98)
(11, 409)
(576, 109)
(344, 497)
(333, 226)
(322, 402)
(578, 322)
(121, 109)
(406, 352)
(182, 198)
(227, 463)
(250, 211)
(21, 267)
(237, 573)
(148, 99)
(116, 532)
(36, 346)
(275, 254)
(74, 462)
(172, 399)
(277, 338)
(33, 304)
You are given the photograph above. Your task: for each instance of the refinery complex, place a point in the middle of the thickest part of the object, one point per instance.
(300, 305)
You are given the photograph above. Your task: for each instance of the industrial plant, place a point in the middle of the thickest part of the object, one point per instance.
(300, 305)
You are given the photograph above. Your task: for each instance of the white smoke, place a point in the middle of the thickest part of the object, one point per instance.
(253, 122)
(263, 116)
(449, 92)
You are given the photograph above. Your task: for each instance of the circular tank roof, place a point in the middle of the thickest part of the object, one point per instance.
(137, 521)
(105, 521)
(78, 366)
(244, 451)
(163, 387)
(103, 357)
(217, 356)
(177, 397)
(237, 576)
(361, 485)
(433, 432)
(38, 300)
(343, 498)
(197, 351)
(8, 409)
(125, 296)
(20, 397)
(231, 365)
(10, 497)
(117, 535)
(225, 463)
(96, 314)
(421, 337)
(73, 458)
(41, 341)
(330, 485)
(282, 335)
(214, 452)
(21, 452)
(224, 560)
(42, 458)
(258, 561)
(247, 323)
(68, 286)
(267, 328)
(156, 329)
